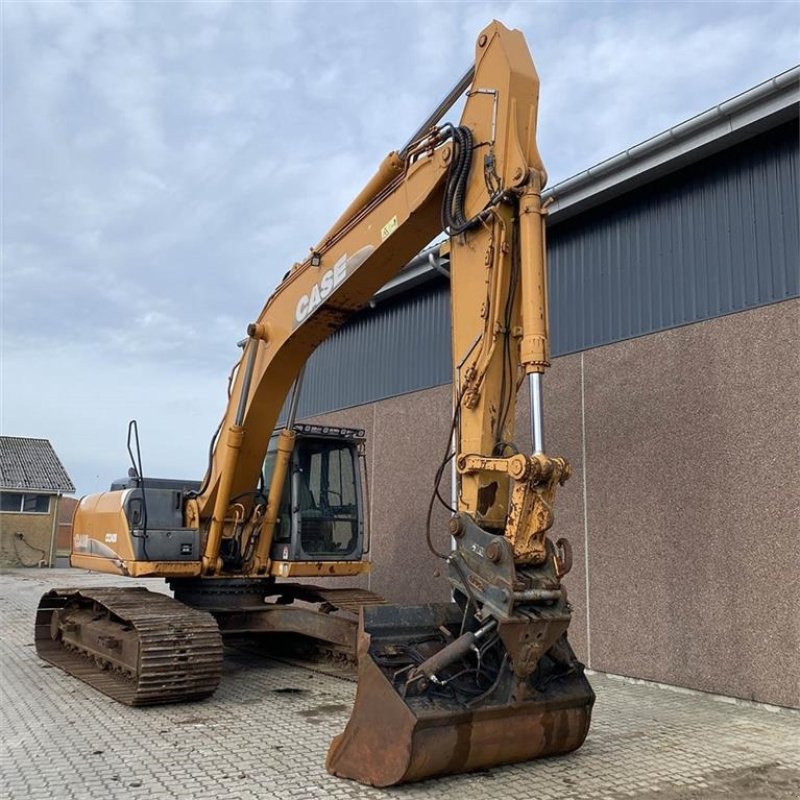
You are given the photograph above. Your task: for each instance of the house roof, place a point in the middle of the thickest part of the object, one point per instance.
(31, 464)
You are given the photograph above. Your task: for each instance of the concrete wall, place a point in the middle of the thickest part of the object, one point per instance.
(682, 510)
(34, 547)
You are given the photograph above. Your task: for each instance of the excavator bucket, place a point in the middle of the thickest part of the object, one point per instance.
(473, 715)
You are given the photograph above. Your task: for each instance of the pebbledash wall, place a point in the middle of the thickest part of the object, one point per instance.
(32, 482)
(673, 392)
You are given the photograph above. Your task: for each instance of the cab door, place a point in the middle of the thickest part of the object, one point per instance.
(320, 515)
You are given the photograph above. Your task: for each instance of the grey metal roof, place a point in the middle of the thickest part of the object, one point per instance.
(763, 107)
(714, 238)
(394, 348)
(749, 113)
(31, 464)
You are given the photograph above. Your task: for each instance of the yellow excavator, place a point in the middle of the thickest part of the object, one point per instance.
(487, 679)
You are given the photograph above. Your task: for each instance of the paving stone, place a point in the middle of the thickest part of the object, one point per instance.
(248, 742)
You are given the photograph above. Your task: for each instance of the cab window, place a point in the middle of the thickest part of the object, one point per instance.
(327, 498)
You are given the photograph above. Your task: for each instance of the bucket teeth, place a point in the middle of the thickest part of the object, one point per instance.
(473, 714)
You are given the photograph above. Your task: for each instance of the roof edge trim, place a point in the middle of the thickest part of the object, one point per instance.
(753, 111)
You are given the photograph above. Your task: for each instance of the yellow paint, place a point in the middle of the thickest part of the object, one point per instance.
(499, 320)
(314, 569)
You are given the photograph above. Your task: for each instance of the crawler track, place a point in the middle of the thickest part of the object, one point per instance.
(136, 646)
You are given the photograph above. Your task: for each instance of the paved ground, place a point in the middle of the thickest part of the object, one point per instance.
(255, 739)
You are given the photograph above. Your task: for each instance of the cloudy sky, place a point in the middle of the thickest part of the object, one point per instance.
(164, 163)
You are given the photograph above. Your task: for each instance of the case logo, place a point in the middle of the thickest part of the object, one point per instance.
(331, 279)
(320, 290)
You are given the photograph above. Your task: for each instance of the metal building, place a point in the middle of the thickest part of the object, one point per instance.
(674, 276)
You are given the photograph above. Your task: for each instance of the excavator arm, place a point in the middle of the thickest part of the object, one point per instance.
(315, 299)
(480, 183)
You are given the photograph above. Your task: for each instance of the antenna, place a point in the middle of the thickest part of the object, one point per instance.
(137, 474)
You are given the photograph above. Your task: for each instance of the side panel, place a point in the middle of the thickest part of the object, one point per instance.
(109, 535)
(100, 528)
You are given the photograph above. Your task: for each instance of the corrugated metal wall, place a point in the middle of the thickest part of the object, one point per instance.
(397, 347)
(719, 237)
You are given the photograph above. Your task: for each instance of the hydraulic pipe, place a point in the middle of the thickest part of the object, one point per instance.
(394, 163)
(534, 351)
(537, 412)
(293, 403)
(441, 109)
(282, 458)
(451, 652)
(248, 377)
(390, 168)
(275, 492)
(234, 438)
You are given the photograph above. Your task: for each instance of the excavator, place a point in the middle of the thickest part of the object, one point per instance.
(486, 679)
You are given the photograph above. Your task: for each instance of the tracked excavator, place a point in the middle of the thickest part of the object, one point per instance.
(486, 679)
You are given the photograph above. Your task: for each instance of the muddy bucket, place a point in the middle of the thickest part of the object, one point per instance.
(392, 738)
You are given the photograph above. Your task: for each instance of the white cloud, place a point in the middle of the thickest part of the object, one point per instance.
(166, 163)
(81, 398)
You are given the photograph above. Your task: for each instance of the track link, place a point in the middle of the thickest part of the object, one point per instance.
(177, 650)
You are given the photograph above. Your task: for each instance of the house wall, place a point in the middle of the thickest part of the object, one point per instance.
(682, 510)
(36, 530)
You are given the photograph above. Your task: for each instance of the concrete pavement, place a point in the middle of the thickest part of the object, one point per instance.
(266, 731)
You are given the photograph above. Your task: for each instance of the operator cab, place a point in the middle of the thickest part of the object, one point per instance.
(320, 516)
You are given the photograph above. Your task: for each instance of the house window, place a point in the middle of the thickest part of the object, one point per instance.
(24, 503)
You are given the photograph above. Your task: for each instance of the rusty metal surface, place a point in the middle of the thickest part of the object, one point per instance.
(274, 618)
(351, 600)
(399, 733)
(138, 647)
(530, 510)
(224, 594)
(245, 606)
(320, 620)
(483, 568)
